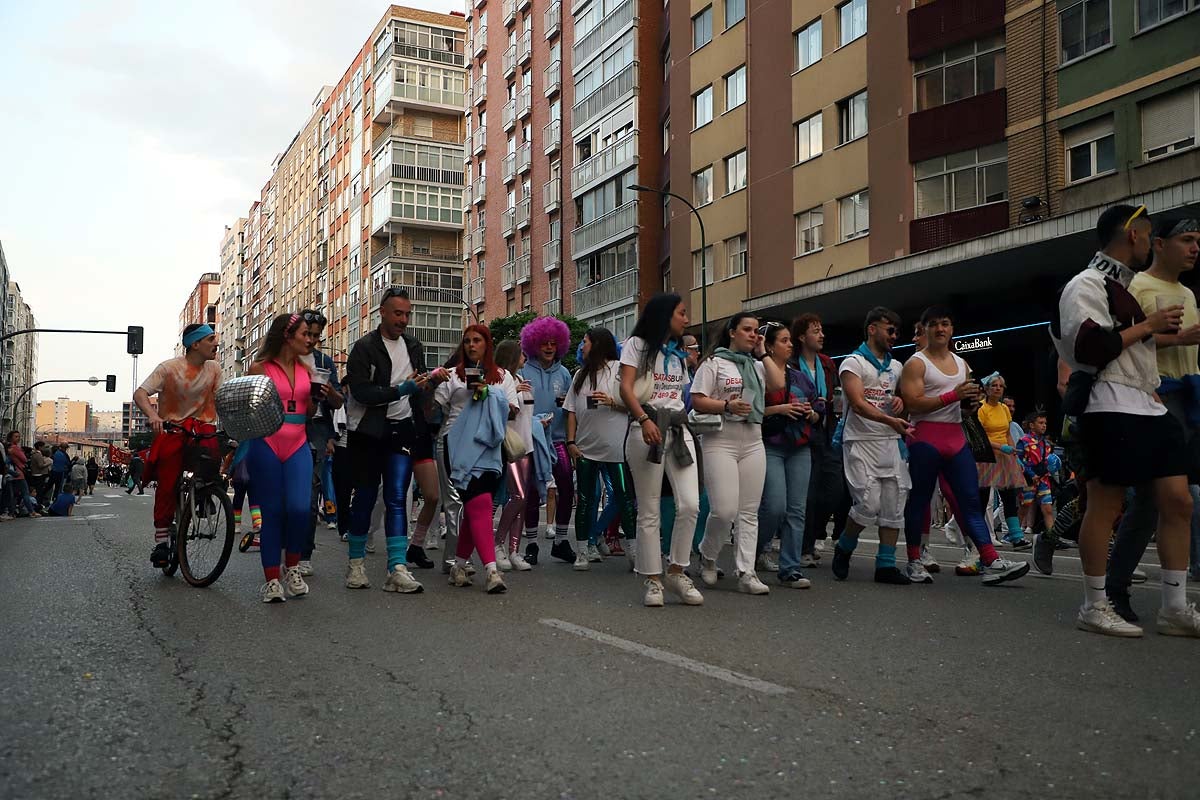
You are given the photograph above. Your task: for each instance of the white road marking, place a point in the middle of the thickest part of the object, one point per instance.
(683, 662)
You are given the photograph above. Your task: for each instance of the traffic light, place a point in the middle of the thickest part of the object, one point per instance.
(110, 383)
(133, 340)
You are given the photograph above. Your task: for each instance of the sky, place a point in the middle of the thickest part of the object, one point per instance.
(132, 133)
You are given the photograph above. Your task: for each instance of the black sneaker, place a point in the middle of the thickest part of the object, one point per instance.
(531, 554)
(892, 576)
(1043, 554)
(1018, 544)
(841, 563)
(416, 556)
(1120, 604)
(562, 551)
(160, 556)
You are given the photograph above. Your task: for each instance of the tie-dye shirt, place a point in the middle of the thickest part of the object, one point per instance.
(184, 390)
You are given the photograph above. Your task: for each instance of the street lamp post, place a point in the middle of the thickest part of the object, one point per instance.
(94, 381)
(637, 187)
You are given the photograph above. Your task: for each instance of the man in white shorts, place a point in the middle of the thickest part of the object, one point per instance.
(875, 467)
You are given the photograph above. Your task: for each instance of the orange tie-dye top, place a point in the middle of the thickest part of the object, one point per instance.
(184, 390)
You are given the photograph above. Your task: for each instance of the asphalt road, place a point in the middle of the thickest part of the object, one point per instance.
(116, 682)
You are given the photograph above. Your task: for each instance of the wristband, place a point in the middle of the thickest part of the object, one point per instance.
(642, 418)
(948, 397)
(570, 442)
(406, 388)
(726, 406)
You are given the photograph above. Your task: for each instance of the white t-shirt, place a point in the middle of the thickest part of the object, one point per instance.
(453, 395)
(669, 378)
(719, 379)
(600, 431)
(401, 370)
(878, 390)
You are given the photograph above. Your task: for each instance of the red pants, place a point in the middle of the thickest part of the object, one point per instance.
(165, 463)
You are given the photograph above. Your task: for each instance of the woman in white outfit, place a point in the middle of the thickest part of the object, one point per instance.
(653, 378)
(730, 384)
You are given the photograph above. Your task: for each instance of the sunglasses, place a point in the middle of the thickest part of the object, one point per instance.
(1140, 211)
(314, 316)
(393, 291)
(762, 329)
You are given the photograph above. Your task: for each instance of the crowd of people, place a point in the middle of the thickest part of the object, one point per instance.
(44, 479)
(665, 455)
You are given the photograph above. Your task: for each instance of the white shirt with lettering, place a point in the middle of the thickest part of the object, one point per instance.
(670, 375)
(720, 379)
(878, 390)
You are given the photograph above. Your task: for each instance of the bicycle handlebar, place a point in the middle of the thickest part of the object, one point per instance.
(175, 426)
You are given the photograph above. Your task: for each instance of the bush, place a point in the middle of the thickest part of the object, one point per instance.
(510, 328)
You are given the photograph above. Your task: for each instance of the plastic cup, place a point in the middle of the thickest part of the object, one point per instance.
(321, 376)
(1165, 301)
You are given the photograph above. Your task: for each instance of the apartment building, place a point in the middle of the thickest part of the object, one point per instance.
(230, 311)
(63, 414)
(202, 306)
(18, 356)
(297, 216)
(258, 274)
(133, 421)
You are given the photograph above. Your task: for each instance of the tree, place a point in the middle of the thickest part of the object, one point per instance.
(140, 441)
(510, 328)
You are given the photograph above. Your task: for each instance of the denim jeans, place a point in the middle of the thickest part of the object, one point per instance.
(784, 503)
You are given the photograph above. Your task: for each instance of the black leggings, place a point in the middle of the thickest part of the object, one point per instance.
(1008, 499)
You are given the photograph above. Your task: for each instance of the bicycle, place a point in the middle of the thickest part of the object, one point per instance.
(203, 525)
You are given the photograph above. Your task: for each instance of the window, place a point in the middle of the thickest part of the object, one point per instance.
(666, 135)
(809, 231)
(808, 138)
(702, 107)
(735, 12)
(735, 257)
(808, 45)
(852, 115)
(852, 21)
(1170, 122)
(735, 172)
(962, 180)
(702, 28)
(1084, 28)
(855, 215)
(735, 88)
(960, 72)
(1152, 12)
(1091, 150)
(702, 267)
(702, 188)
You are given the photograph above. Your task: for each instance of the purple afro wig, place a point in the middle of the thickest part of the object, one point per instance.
(542, 330)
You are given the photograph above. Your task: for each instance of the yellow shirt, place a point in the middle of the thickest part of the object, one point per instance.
(1173, 362)
(995, 421)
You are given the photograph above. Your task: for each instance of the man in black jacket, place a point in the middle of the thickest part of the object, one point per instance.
(388, 382)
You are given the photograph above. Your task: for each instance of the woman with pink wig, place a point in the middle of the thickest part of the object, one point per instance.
(545, 341)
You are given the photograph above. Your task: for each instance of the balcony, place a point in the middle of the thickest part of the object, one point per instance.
(507, 220)
(552, 78)
(386, 169)
(552, 308)
(521, 269)
(468, 201)
(433, 55)
(524, 154)
(479, 90)
(510, 12)
(957, 126)
(509, 114)
(479, 140)
(479, 189)
(619, 289)
(618, 224)
(396, 97)
(525, 47)
(553, 19)
(552, 136)
(523, 4)
(510, 61)
(525, 102)
(393, 209)
(523, 210)
(612, 160)
(477, 240)
(552, 255)
(475, 291)
(508, 168)
(617, 88)
(408, 251)
(941, 24)
(480, 41)
(930, 233)
(620, 18)
(506, 276)
(552, 195)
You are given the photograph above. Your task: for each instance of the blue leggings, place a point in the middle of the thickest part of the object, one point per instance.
(283, 490)
(397, 475)
(938, 448)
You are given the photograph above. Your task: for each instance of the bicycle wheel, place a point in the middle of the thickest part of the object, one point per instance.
(205, 537)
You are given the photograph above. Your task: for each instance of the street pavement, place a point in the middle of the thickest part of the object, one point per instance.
(116, 682)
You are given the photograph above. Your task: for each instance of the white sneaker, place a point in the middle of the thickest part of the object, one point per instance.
(680, 585)
(928, 561)
(602, 547)
(708, 571)
(1179, 621)
(356, 575)
(808, 560)
(917, 573)
(306, 570)
(581, 561)
(1100, 617)
(331, 526)
(749, 583)
(495, 582)
(1002, 570)
(549, 535)
(767, 563)
(459, 577)
(518, 562)
(296, 587)
(502, 560)
(653, 598)
(593, 554)
(272, 591)
(819, 547)
(401, 580)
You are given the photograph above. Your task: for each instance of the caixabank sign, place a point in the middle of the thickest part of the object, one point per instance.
(973, 344)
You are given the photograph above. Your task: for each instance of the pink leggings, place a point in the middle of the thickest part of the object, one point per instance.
(475, 532)
(508, 532)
